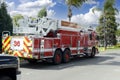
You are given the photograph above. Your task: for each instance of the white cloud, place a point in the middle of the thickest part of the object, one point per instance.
(24, 1)
(11, 6)
(90, 18)
(87, 19)
(36, 4)
(30, 7)
(92, 2)
(50, 13)
(33, 13)
(25, 13)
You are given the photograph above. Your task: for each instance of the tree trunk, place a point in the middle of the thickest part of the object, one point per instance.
(69, 13)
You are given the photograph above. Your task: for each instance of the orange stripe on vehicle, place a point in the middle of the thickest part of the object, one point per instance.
(15, 53)
(26, 48)
(28, 42)
(19, 53)
(23, 49)
(30, 50)
(7, 44)
(6, 39)
(7, 48)
(27, 39)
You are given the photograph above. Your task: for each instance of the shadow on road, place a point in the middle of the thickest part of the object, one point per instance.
(98, 60)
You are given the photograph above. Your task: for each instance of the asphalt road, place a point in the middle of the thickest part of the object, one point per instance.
(105, 66)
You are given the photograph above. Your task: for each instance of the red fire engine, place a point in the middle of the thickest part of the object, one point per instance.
(44, 39)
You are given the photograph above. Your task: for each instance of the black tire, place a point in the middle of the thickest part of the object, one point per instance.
(57, 59)
(66, 56)
(93, 53)
(5, 78)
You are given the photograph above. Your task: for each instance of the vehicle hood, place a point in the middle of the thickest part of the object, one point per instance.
(8, 61)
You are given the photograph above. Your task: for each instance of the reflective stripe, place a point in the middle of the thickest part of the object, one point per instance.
(27, 47)
(76, 48)
(89, 47)
(50, 50)
(7, 47)
(6, 43)
(43, 50)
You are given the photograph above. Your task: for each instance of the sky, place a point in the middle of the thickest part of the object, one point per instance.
(57, 9)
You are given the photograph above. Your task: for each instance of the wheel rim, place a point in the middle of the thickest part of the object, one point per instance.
(58, 59)
(67, 57)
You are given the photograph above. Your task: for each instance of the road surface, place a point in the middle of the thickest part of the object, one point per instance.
(105, 66)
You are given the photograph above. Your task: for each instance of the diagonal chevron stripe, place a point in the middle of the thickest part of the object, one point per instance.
(27, 47)
(6, 42)
(26, 50)
(7, 47)
(17, 53)
(27, 43)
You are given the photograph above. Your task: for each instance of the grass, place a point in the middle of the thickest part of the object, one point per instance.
(109, 48)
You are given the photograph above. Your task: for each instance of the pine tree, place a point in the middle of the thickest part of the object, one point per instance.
(107, 23)
(5, 21)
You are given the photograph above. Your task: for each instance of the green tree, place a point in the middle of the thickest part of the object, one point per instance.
(5, 21)
(107, 23)
(42, 13)
(118, 33)
(73, 3)
(16, 18)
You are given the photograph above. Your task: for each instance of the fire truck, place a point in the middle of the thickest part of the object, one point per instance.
(49, 39)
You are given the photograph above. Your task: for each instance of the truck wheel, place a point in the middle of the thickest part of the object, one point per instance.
(66, 56)
(5, 78)
(57, 57)
(93, 53)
